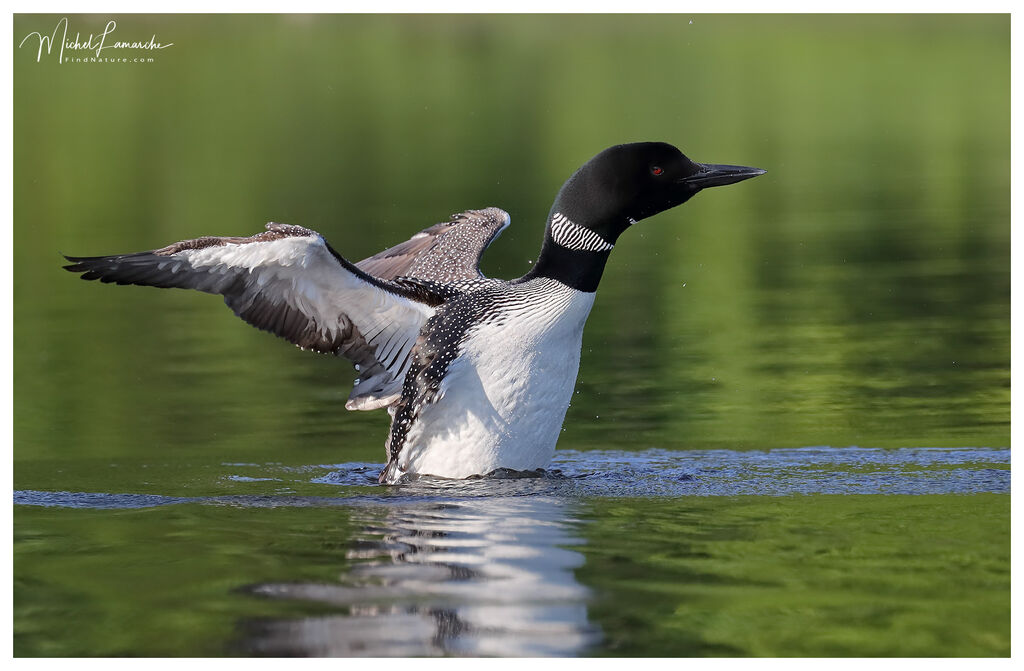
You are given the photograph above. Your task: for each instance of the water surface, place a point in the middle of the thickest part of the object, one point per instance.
(562, 564)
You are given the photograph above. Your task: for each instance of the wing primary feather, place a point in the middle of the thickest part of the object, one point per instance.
(288, 281)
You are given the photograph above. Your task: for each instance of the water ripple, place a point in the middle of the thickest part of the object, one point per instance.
(649, 473)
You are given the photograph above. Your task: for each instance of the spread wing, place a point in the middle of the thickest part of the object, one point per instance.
(446, 253)
(290, 282)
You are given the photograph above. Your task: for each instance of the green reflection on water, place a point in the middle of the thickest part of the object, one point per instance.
(863, 576)
(161, 581)
(764, 576)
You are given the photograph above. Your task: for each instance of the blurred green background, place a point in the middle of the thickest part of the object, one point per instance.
(857, 294)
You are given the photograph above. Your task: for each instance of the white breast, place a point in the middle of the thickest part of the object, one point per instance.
(504, 398)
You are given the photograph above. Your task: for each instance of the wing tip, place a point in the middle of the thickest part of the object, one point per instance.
(495, 214)
(82, 264)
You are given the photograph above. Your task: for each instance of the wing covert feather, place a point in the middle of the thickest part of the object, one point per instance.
(446, 253)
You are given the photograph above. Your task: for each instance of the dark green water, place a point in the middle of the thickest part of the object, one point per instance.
(187, 485)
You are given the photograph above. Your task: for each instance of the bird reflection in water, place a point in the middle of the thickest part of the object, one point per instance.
(477, 577)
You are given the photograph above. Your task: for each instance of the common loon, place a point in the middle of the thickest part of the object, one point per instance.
(477, 373)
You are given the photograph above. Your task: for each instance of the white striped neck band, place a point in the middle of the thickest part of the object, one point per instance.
(573, 236)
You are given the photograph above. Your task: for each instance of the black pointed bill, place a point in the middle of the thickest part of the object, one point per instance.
(719, 175)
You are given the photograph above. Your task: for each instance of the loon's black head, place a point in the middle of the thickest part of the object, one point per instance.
(629, 182)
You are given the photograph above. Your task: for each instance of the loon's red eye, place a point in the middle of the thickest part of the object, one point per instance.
(656, 170)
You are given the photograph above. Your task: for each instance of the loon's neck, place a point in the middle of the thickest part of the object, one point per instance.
(582, 227)
(573, 254)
